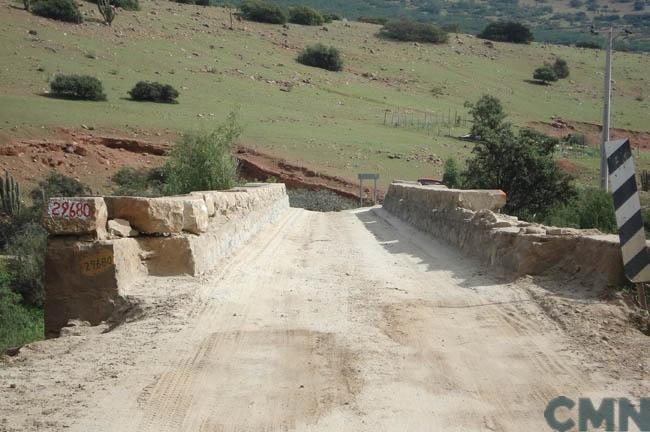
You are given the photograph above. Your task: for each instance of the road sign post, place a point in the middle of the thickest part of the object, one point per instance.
(368, 176)
(622, 177)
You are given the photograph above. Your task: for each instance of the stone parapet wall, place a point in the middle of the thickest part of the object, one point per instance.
(467, 219)
(99, 246)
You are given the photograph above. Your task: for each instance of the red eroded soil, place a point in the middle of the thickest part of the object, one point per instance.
(94, 157)
(82, 154)
(258, 166)
(561, 128)
(567, 166)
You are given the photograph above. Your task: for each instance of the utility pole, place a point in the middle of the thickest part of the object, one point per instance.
(607, 99)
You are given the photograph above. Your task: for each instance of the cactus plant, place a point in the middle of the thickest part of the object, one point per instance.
(10, 195)
(106, 10)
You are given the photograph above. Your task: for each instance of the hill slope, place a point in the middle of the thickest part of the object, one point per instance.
(333, 121)
(557, 21)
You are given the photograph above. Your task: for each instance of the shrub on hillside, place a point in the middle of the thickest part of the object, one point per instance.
(154, 92)
(61, 10)
(131, 5)
(329, 17)
(57, 185)
(204, 160)
(561, 68)
(451, 28)
(588, 44)
(261, 11)
(139, 182)
(451, 174)
(590, 208)
(507, 31)
(412, 31)
(77, 87)
(575, 139)
(323, 57)
(545, 74)
(199, 2)
(305, 15)
(373, 20)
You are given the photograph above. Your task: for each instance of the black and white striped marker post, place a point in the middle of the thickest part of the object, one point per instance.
(622, 178)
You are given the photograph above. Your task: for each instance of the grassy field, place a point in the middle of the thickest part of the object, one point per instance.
(331, 121)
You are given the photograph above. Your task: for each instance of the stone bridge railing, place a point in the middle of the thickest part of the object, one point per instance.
(99, 246)
(469, 219)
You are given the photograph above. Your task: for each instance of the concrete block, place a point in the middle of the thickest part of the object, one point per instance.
(76, 216)
(148, 215)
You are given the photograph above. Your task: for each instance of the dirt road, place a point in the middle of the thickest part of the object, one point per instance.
(324, 322)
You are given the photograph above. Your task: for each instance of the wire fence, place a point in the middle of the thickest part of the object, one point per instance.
(432, 123)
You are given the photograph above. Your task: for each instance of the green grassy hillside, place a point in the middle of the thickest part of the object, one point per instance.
(333, 121)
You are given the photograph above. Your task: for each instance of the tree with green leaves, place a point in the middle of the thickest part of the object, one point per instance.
(507, 31)
(520, 164)
(305, 15)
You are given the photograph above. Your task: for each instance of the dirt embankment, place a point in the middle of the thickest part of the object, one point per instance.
(592, 132)
(85, 155)
(258, 166)
(94, 157)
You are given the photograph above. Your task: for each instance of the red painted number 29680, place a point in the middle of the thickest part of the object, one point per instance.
(69, 209)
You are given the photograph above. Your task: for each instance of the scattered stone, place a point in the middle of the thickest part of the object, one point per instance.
(562, 231)
(533, 230)
(13, 351)
(121, 228)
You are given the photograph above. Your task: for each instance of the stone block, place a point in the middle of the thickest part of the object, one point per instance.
(86, 280)
(121, 228)
(148, 215)
(482, 199)
(195, 215)
(76, 216)
(209, 201)
(168, 256)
